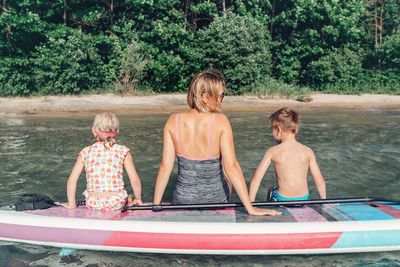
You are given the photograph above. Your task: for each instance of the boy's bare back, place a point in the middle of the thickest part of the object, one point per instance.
(291, 160)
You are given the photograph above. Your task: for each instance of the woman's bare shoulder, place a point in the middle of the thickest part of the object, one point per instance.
(221, 122)
(221, 118)
(171, 122)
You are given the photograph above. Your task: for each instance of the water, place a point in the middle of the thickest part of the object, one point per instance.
(357, 152)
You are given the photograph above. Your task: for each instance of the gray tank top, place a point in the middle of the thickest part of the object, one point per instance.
(200, 180)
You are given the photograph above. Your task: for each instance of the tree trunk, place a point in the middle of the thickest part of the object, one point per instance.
(381, 22)
(65, 12)
(224, 7)
(112, 12)
(187, 5)
(376, 25)
(272, 16)
(4, 9)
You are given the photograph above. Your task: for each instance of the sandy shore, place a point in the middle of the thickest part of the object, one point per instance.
(85, 105)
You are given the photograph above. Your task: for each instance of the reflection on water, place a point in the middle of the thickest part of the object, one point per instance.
(357, 151)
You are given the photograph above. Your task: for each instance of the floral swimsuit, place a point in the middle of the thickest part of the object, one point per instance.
(104, 168)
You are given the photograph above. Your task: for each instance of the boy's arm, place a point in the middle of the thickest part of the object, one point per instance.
(71, 184)
(317, 176)
(133, 178)
(258, 175)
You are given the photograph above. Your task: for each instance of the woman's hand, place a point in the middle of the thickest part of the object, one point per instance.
(259, 212)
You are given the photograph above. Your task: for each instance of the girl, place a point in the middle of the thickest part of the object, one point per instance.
(202, 140)
(104, 162)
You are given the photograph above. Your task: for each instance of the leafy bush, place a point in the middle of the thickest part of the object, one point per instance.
(131, 70)
(341, 66)
(389, 52)
(75, 47)
(16, 77)
(68, 63)
(271, 87)
(381, 81)
(167, 44)
(239, 48)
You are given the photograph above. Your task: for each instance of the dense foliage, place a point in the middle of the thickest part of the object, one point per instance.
(262, 46)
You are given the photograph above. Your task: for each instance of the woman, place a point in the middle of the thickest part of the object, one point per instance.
(203, 142)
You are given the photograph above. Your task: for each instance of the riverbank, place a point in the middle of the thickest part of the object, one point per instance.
(168, 103)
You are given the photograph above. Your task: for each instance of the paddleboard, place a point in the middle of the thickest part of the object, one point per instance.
(310, 229)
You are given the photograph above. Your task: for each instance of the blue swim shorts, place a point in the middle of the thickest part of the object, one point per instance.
(274, 196)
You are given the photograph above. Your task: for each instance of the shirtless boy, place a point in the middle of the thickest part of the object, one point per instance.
(291, 160)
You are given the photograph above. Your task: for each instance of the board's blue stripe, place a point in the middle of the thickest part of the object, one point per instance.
(362, 212)
(342, 215)
(368, 239)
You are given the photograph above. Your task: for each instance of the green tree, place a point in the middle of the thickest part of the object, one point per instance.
(306, 30)
(341, 68)
(131, 71)
(389, 52)
(68, 63)
(239, 47)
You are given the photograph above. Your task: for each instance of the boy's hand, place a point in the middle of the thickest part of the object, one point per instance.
(68, 206)
(260, 212)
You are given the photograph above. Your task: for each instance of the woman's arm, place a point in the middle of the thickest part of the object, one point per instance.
(71, 184)
(167, 163)
(133, 178)
(233, 169)
(259, 175)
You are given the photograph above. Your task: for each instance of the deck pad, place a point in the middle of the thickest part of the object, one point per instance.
(307, 213)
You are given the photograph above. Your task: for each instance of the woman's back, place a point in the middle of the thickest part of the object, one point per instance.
(200, 177)
(196, 135)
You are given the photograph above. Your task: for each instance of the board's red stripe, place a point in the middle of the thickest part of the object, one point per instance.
(392, 211)
(344, 213)
(223, 241)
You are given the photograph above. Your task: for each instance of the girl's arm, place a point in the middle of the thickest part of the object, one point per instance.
(71, 184)
(259, 175)
(167, 163)
(133, 178)
(234, 171)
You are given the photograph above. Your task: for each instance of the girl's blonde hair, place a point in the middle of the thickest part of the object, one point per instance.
(286, 118)
(204, 82)
(106, 122)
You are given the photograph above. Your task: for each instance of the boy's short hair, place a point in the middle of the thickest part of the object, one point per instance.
(204, 82)
(286, 118)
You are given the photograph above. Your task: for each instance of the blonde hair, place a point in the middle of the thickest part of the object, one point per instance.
(106, 122)
(204, 82)
(286, 118)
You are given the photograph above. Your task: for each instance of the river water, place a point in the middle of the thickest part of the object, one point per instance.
(358, 153)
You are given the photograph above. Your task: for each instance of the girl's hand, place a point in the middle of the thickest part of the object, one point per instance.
(259, 212)
(68, 206)
(134, 202)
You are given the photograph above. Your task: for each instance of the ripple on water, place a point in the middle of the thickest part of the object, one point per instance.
(358, 153)
(32, 255)
(13, 144)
